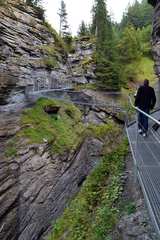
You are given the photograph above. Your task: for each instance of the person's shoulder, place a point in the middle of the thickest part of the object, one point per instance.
(141, 87)
(151, 88)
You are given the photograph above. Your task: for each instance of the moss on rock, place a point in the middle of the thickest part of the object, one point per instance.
(63, 131)
(93, 213)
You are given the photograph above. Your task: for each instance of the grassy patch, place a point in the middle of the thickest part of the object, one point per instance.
(63, 132)
(87, 61)
(50, 62)
(146, 70)
(93, 213)
(89, 86)
(49, 50)
(138, 71)
(130, 208)
(104, 130)
(11, 149)
(59, 43)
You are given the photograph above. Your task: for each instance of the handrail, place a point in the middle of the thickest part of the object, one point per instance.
(144, 113)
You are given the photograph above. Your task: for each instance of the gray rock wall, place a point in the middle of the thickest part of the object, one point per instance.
(22, 36)
(156, 35)
(36, 186)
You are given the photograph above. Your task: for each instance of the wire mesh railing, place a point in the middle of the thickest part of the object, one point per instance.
(146, 155)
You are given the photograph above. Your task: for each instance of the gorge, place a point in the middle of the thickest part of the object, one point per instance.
(48, 147)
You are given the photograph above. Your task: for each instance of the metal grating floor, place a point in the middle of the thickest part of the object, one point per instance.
(146, 154)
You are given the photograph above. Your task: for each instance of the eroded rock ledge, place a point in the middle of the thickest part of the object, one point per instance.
(37, 183)
(156, 36)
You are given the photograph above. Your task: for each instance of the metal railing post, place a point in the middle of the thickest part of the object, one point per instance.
(136, 141)
(136, 151)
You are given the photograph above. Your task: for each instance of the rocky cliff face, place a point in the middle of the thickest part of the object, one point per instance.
(81, 62)
(156, 35)
(36, 186)
(29, 55)
(156, 43)
(36, 183)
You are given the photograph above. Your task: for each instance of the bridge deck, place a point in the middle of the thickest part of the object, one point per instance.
(146, 154)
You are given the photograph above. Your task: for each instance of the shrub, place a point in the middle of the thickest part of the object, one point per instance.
(59, 43)
(50, 62)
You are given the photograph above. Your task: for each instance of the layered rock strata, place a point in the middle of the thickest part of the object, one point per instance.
(27, 52)
(36, 184)
(156, 35)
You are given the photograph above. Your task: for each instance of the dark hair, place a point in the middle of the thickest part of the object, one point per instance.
(146, 82)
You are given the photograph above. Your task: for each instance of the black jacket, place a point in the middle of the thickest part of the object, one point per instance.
(145, 98)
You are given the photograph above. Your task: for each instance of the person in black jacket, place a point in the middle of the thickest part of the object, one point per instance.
(145, 100)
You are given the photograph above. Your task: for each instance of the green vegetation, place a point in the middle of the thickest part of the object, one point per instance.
(90, 86)
(37, 5)
(128, 207)
(138, 14)
(34, 2)
(121, 49)
(103, 130)
(2, 2)
(64, 26)
(93, 214)
(49, 49)
(52, 55)
(50, 62)
(139, 70)
(83, 30)
(11, 149)
(133, 44)
(58, 41)
(107, 71)
(62, 132)
(62, 45)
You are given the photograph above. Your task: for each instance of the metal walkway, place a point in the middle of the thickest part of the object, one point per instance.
(146, 155)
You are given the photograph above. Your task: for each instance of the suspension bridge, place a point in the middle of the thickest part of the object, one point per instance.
(146, 156)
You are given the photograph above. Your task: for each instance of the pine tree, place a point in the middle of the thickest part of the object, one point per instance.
(64, 26)
(106, 66)
(138, 14)
(33, 2)
(37, 4)
(93, 25)
(130, 45)
(83, 29)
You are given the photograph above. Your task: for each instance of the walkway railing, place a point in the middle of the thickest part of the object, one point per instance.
(144, 113)
(146, 155)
